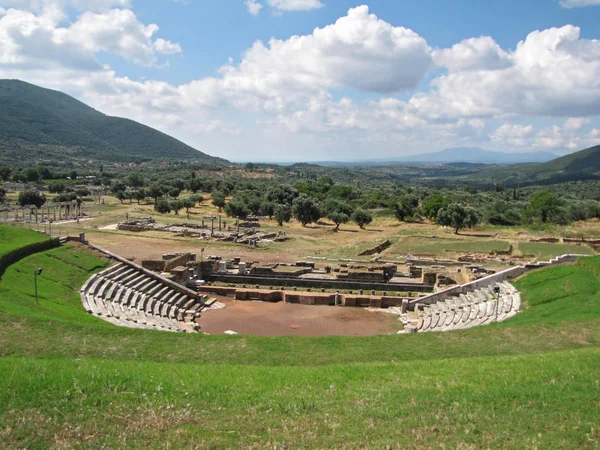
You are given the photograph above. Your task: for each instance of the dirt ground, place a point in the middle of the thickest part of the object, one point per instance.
(282, 319)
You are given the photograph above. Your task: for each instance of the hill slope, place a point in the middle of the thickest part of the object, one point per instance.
(68, 378)
(38, 124)
(478, 156)
(581, 165)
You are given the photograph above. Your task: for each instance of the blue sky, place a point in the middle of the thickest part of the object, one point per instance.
(293, 80)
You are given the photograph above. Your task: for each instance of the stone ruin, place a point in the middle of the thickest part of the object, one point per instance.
(212, 228)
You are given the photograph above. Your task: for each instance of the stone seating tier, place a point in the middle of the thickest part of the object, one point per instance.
(126, 296)
(478, 307)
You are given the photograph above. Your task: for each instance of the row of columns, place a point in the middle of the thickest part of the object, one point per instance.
(53, 212)
(221, 223)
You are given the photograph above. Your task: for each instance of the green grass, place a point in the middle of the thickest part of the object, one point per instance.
(434, 246)
(12, 238)
(70, 379)
(545, 251)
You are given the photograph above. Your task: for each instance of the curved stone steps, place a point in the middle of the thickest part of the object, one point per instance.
(126, 296)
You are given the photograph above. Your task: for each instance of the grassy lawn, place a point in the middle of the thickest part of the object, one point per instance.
(68, 379)
(12, 238)
(545, 251)
(439, 246)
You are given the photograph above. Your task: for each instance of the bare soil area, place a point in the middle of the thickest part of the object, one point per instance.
(282, 319)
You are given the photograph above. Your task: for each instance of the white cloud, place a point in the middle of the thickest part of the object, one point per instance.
(515, 135)
(166, 47)
(36, 39)
(578, 3)
(551, 73)
(358, 51)
(481, 53)
(486, 96)
(253, 7)
(81, 5)
(295, 5)
(576, 123)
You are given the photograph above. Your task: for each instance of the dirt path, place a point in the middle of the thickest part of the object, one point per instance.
(281, 319)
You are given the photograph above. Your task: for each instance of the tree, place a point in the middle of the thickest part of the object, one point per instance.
(174, 192)
(67, 197)
(281, 194)
(282, 213)
(2, 194)
(197, 199)
(306, 209)
(5, 173)
(267, 209)
(195, 183)
(433, 204)
(31, 175)
(117, 186)
(457, 216)
(406, 207)
(140, 195)
(361, 217)
(31, 197)
(218, 199)
(121, 195)
(544, 206)
(188, 204)
(56, 188)
(135, 180)
(162, 206)
(338, 212)
(176, 205)
(237, 208)
(155, 191)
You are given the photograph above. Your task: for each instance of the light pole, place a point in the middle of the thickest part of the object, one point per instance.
(35, 275)
(497, 292)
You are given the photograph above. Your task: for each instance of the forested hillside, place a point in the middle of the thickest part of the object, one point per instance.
(41, 125)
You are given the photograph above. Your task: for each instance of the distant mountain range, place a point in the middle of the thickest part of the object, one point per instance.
(45, 126)
(470, 155)
(581, 165)
(479, 156)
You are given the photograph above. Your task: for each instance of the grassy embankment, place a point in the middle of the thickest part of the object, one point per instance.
(69, 379)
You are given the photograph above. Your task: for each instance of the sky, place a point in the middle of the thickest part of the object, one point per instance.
(322, 80)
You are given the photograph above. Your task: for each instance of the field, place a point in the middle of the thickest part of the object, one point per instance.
(68, 379)
(14, 238)
(319, 240)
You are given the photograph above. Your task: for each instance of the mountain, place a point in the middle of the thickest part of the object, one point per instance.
(42, 125)
(451, 156)
(578, 166)
(478, 156)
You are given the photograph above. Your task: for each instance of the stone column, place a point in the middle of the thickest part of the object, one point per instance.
(237, 224)
(219, 223)
(404, 306)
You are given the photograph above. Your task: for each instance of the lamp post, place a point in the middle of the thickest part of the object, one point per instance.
(35, 275)
(497, 292)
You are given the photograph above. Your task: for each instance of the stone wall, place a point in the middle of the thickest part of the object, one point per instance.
(378, 249)
(168, 262)
(305, 298)
(317, 283)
